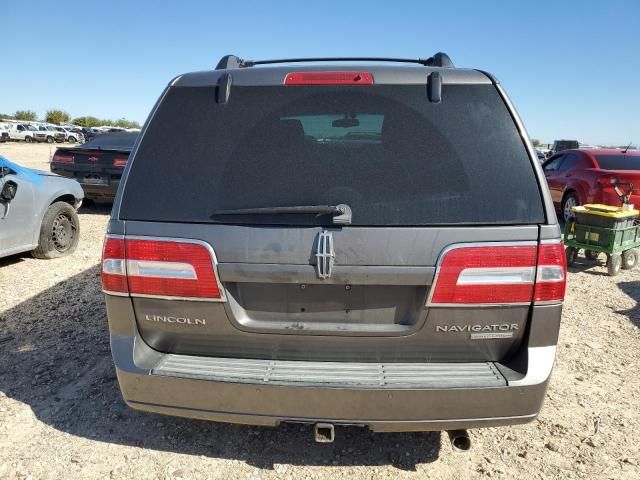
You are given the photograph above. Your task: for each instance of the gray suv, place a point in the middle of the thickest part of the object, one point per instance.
(341, 243)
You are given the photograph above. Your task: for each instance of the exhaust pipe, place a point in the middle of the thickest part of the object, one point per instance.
(460, 441)
(324, 432)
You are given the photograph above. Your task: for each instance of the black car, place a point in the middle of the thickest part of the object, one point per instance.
(97, 165)
(89, 133)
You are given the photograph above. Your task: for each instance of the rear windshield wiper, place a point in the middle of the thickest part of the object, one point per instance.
(341, 213)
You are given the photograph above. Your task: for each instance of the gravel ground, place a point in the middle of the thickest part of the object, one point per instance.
(61, 414)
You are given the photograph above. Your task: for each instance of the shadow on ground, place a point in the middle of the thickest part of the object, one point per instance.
(633, 290)
(55, 357)
(584, 265)
(14, 259)
(96, 207)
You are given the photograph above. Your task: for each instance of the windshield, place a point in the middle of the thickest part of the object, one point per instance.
(386, 151)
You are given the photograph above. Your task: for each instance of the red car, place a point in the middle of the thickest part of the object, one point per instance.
(581, 176)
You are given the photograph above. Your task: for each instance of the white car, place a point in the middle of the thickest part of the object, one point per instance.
(22, 132)
(4, 133)
(70, 136)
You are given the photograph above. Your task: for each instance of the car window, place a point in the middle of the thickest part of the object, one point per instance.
(569, 162)
(619, 162)
(553, 163)
(386, 151)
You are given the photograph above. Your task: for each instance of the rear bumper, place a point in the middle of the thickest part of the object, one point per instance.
(196, 390)
(105, 191)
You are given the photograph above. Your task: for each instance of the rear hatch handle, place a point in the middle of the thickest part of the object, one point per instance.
(341, 213)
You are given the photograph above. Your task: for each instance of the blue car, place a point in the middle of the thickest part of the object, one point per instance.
(38, 212)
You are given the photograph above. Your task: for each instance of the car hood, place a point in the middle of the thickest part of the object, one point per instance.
(43, 173)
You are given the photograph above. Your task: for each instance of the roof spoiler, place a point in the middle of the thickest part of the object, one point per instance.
(440, 59)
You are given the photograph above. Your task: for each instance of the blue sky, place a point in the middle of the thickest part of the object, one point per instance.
(572, 68)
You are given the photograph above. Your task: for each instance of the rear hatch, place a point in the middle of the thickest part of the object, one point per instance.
(417, 177)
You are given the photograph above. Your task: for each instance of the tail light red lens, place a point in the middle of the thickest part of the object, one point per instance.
(551, 279)
(607, 181)
(486, 274)
(113, 273)
(61, 158)
(500, 274)
(160, 268)
(328, 78)
(119, 162)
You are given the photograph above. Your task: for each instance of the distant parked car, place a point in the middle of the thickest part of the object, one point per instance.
(560, 145)
(577, 177)
(541, 156)
(37, 212)
(70, 135)
(51, 134)
(21, 132)
(97, 165)
(88, 133)
(4, 134)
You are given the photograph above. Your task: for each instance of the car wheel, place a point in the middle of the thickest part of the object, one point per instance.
(59, 232)
(614, 262)
(629, 259)
(591, 255)
(28, 139)
(570, 201)
(50, 140)
(572, 255)
(72, 140)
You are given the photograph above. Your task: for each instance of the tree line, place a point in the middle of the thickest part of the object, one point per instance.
(60, 116)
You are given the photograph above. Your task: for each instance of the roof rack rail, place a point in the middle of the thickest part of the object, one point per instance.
(440, 59)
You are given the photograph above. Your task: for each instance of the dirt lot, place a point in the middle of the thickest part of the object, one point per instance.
(61, 414)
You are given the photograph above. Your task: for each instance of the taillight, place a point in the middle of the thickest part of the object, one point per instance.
(60, 158)
(113, 273)
(328, 78)
(551, 279)
(166, 268)
(500, 274)
(119, 162)
(486, 274)
(607, 181)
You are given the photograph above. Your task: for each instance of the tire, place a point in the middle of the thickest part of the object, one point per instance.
(50, 140)
(614, 262)
(572, 255)
(72, 140)
(28, 139)
(629, 259)
(591, 255)
(569, 201)
(59, 232)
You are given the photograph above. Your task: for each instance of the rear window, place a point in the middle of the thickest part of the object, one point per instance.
(619, 162)
(111, 141)
(386, 151)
